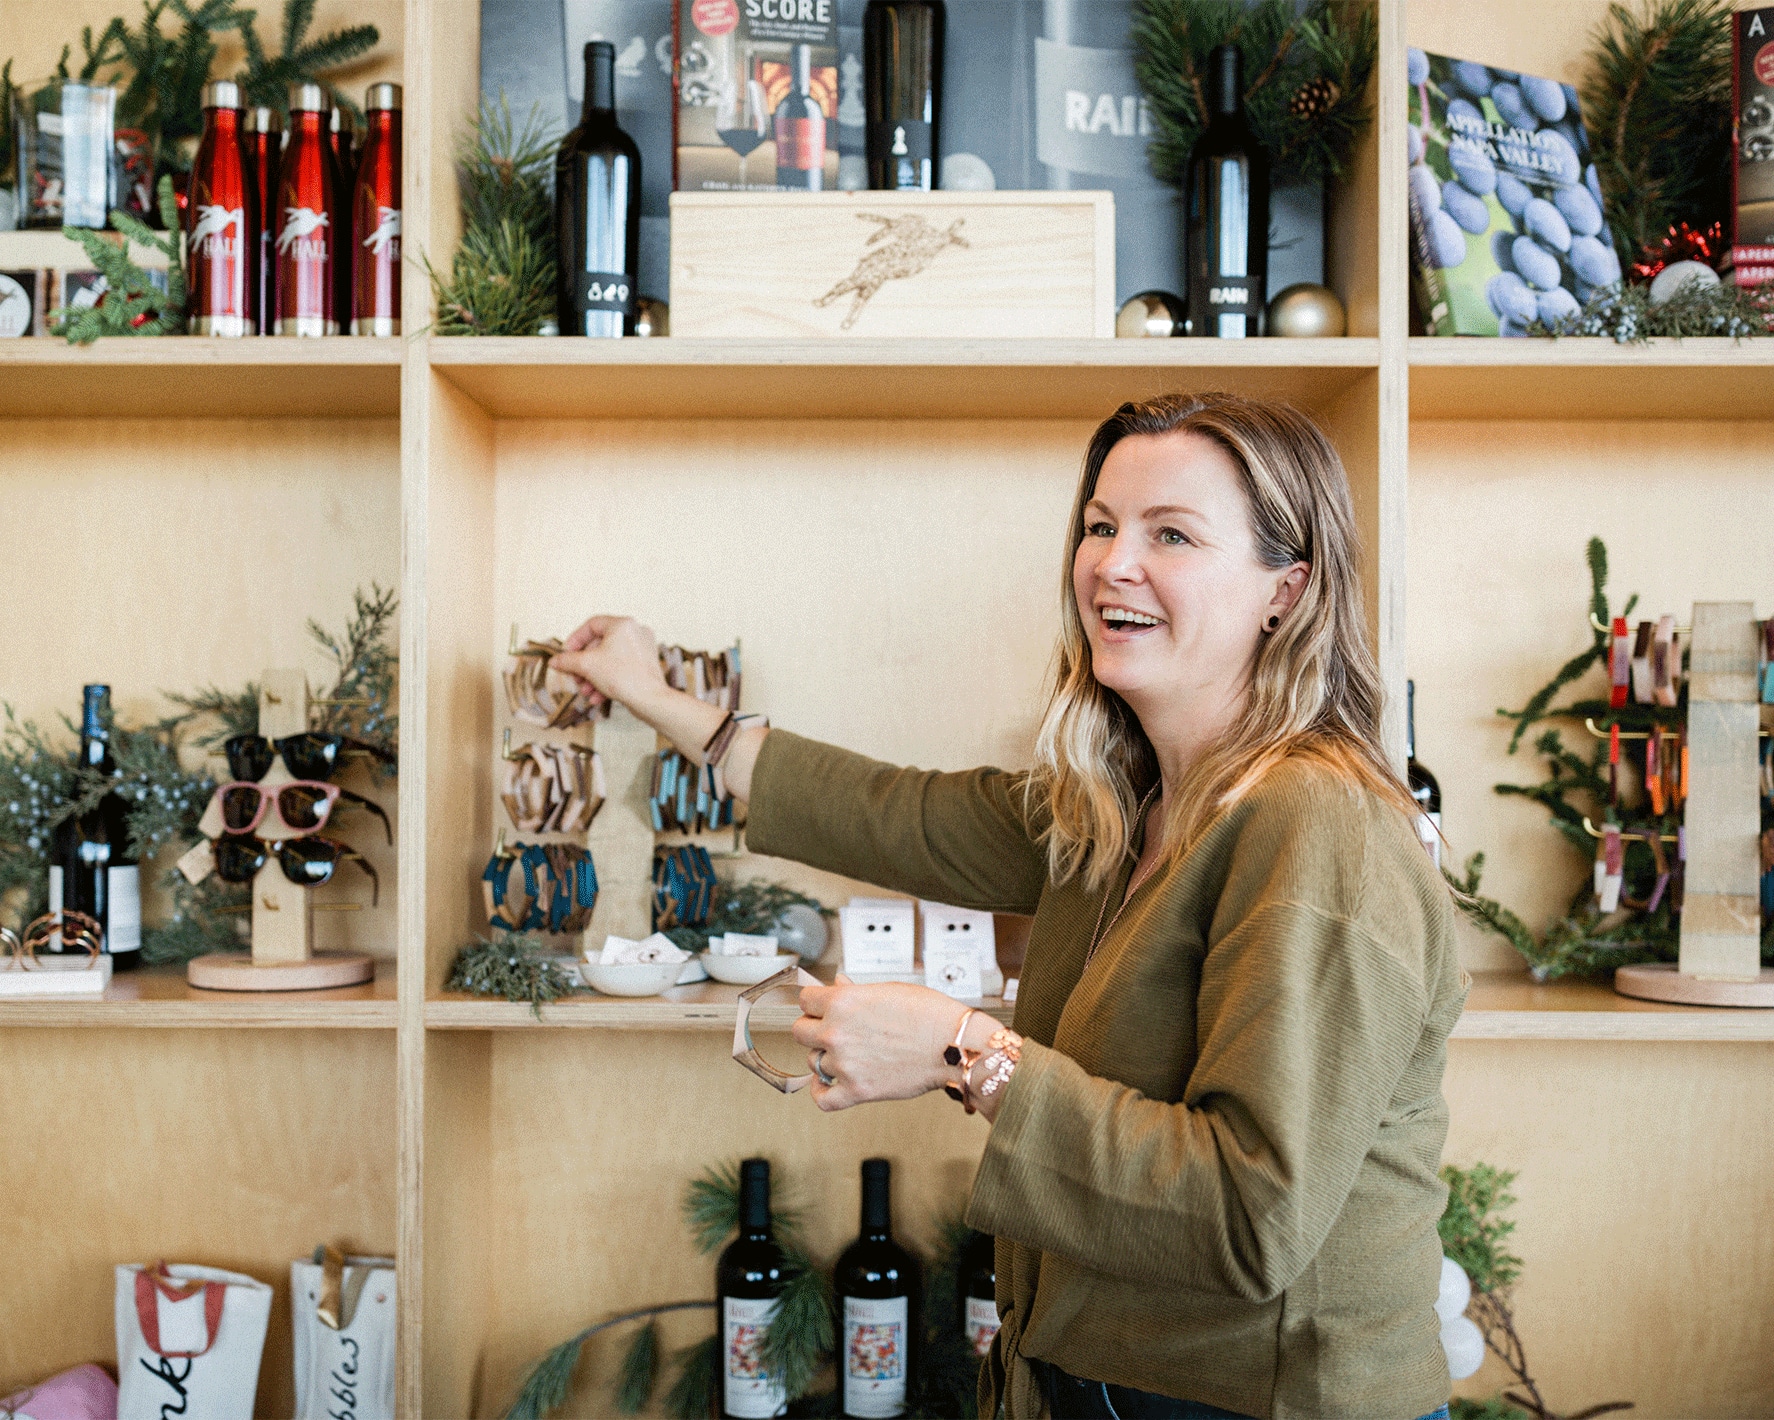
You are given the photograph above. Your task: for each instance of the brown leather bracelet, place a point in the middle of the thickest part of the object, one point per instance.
(721, 740)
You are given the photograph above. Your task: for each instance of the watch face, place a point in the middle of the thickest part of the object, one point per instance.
(15, 307)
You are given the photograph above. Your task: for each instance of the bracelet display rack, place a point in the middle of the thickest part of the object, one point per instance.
(282, 956)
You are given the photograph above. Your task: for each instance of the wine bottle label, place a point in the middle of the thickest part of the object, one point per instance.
(800, 143)
(748, 1390)
(874, 1357)
(55, 905)
(982, 1323)
(901, 140)
(123, 909)
(607, 291)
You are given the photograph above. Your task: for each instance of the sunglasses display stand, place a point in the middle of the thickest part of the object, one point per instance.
(282, 956)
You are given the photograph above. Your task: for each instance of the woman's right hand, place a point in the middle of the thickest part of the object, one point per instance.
(614, 658)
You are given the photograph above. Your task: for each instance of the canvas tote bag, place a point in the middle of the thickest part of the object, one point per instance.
(343, 1311)
(189, 1341)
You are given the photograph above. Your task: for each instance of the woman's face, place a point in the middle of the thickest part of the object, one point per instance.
(1169, 589)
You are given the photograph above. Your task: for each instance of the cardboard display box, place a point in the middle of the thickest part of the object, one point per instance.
(928, 264)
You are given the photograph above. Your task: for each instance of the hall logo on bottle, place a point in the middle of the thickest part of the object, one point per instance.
(298, 237)
(210, 231)
(385, 240)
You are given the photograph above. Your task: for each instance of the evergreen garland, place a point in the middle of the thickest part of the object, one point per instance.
(502, 277)
(131, 304)
(267, 79)
(1474, 1233)
(1626, 316)
(1585, 941)
(514, 966)
(1306, 76)
(753, 908)
(1657, 105)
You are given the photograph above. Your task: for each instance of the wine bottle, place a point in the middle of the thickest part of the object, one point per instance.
(375, 219)
(876, 1282)
(1424, 787)
(800, 130)
(902, 86)
(979, 1293)
(1227, 196)
(91, 867)
(220, 218)
(309, 218)
(597, 211)
(748, 1279)
(261, 146)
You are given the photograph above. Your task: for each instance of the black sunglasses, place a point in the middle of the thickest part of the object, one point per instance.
(310, 755)
(308, 861)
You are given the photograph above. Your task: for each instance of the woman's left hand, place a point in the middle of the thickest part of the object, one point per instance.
(881, 1042)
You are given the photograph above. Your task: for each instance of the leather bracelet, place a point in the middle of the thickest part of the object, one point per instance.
(720, 741)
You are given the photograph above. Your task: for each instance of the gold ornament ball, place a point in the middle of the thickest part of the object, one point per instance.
(652, 317)
(1150, 314)
(1307, 312)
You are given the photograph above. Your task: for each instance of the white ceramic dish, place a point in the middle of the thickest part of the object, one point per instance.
(641, 978)
(745, 971)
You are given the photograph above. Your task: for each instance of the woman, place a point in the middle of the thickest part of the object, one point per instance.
(1212, 1172)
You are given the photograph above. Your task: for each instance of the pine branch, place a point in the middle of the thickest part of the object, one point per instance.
(513, 967)
(693, 1395)
(802, 1333)
(1625, 315)
(1658, 103)
(210, 917)
(266, 80)
(131, 303)
(550, 1379)
(639, 1371)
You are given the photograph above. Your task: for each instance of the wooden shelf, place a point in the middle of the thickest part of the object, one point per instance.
(159, 997)
(200, 378)
(1510, 1006)
(879, 379)
(708, 1005)
(1588, 377)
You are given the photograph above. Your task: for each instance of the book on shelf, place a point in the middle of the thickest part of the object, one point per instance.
(1508, 225)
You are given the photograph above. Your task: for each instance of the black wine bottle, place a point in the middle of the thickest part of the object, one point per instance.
(979, 1293)
(748, 1279)
(597, 211)
(91, 867)
(1425, 789)
(902, 89)
(876, 1282)
(800, 130)
(1227, 196)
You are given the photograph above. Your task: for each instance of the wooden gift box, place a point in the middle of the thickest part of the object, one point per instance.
(893, 263)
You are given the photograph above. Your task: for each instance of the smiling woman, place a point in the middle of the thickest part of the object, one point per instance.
(1212, 1171)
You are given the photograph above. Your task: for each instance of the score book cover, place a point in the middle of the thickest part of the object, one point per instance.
(1507, 220)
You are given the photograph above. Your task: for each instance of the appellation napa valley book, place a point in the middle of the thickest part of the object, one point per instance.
(1507, 220)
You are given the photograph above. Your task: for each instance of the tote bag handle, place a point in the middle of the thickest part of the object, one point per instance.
(149, 1281)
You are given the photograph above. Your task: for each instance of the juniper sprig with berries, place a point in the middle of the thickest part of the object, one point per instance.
(1306, 77)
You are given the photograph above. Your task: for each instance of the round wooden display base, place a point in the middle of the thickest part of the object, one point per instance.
(235, 971)
(1660, 981)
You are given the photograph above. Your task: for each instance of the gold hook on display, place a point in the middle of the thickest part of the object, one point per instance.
(1595, 832)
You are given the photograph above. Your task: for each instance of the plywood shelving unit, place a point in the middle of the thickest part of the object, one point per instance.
(878, 520)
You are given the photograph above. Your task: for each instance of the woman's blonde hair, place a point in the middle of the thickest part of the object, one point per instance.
(1314, 687)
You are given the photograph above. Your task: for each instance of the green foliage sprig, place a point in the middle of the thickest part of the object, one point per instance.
(131, 304)
(1584, 940)
(1626, 316)
(1474, 1233)
(1306, 76)
(163, 97)
(267, 79)
(502, 277)
(753, 907)
(514, 967)
(1657, 104)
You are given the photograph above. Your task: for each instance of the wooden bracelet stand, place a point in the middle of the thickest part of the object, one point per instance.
(282, 956)
(1721, 963)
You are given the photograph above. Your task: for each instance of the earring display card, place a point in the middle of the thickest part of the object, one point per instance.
(880, 938)
(960, 951)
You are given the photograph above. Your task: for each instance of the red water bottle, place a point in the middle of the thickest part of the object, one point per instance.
(375, 219)
(307, 218)
(260, 148)
(219, 219)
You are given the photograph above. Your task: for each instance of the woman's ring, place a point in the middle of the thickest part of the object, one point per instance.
(817, 1061)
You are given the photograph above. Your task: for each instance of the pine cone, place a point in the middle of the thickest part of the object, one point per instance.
(1313, 99)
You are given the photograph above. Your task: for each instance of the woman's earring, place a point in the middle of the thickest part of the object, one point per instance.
(1272, 623)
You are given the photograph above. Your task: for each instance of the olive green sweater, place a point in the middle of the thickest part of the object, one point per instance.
(1214, 1173)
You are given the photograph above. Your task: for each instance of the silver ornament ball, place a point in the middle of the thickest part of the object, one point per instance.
(1307, 312)
(652, 317)
(1150, 314)
(1679, 274)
